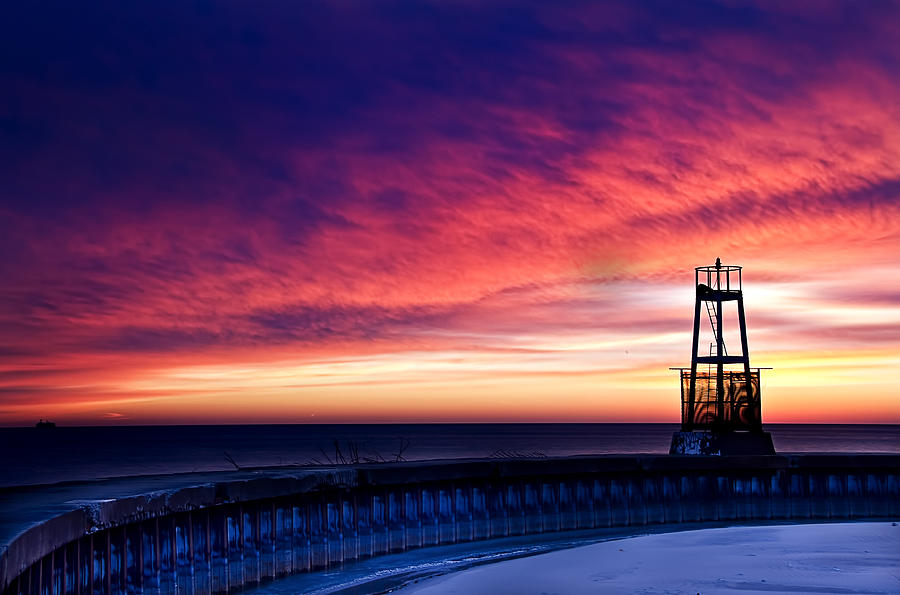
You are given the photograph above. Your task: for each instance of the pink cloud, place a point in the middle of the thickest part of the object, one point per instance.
(516, 205)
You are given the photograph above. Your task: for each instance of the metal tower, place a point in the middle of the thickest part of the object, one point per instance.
(723, 399)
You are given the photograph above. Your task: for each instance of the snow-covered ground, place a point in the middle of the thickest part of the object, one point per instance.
(827, 558)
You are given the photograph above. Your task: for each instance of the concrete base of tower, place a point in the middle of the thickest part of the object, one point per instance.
(722, 444)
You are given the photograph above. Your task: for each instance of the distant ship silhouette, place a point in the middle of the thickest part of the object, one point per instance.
(44, 424)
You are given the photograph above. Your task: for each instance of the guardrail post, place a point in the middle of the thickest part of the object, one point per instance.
(395, 520)
(411, 501)
(300, 537)
(430, 515)
(335, 534)
(363, 508)
(799, 494)
(463, 511)
(602, 503)
(671, 496)
(266, 543)
(250, 545)
(654, 505)
(498, 510)
(534, 523)
(725, 504)
(549, 505)
(100, 555)
(637, 507)
(198, 522)
(283, 531)
(876, 490)
(446, 524)
(515, 508)
(893, 493)
(836, 486)
(218, 550)
(481, 517)
(379, 524)
(618, 502)
(134, 561)
(234, 518)
(584, 504)
(706, 497)
(349, 530)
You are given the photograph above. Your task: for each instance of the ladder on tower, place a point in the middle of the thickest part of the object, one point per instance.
(712, 381)
(713, 317)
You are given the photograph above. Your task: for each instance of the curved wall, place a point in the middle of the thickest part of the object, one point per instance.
(223, 537)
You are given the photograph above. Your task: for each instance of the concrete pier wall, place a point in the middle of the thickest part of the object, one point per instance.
(223, 537)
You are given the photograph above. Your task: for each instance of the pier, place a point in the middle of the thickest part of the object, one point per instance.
(225, 532)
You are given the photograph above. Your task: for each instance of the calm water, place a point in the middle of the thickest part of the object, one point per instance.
(31, 456)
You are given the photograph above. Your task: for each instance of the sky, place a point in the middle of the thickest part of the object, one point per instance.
(312, 212)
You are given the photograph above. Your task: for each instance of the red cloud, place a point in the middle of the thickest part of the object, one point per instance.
(489, 205)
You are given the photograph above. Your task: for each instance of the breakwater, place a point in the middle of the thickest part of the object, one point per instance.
(226, 535)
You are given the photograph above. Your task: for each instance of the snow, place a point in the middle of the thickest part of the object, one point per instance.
(824, 558)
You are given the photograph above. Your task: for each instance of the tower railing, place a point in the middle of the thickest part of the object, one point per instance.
(735, 409)
(721, 277)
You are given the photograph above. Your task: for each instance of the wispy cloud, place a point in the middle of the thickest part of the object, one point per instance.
(462, 195)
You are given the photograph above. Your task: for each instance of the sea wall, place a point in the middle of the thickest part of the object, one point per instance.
(225, 536)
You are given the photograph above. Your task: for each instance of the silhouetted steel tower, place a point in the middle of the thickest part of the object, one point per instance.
(719, 400)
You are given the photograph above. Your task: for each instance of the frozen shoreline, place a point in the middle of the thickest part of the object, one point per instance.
(827, 558)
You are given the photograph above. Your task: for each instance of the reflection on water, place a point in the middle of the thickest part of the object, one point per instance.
(47, 456)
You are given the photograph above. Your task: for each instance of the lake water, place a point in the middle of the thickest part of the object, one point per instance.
(32, 456)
